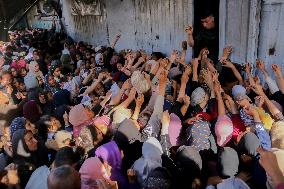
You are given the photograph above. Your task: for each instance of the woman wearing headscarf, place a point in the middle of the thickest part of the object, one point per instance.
(112, 159)
(34, 69)
(91, 172)
(26, 148)
(51, 84)
(31, 111)
(150, 160)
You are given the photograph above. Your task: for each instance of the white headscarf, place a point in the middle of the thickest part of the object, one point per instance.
(151, 159)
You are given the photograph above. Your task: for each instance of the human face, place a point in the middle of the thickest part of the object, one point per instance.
(100, 90)
(208, 22)
(22, 87)
(88, 55)
(42, 99)
(78, 57)
(243, 103)
(36, 68)
(57, 72)
(36, 56)
(55, 125)
(14, 72)
(51, 81)
(30, 127)
(30, 141)
(93, 60)
(6, 80)
(143, 120)
(23, 72)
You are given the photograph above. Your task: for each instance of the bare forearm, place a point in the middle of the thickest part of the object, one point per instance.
(92, 87)
(221, 106)
(190, 40)
(116, 99)
(114, 43)
(87, 79)
(183, 57)
(250, 78)
(280, 82)
(181, 91)
(238, 75)
(183, 109)
(271, 107)
(195, 75)
(175, 89)
(136, 112)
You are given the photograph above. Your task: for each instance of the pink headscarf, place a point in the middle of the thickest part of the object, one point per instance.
(19, 64)
(174, 129)
(92, 170)
(78, 118)
(223, 130)
(103, 120)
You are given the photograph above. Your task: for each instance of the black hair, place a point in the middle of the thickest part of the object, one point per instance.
(159, 55)
(66, 156)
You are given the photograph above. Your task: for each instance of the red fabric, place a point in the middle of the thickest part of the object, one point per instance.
(280, 186)
(239, 126)
(205, 116)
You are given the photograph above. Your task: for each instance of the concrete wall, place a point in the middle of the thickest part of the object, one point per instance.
(154, 25)
(271, 48)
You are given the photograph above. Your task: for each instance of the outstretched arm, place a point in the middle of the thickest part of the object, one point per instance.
(189, 31)
(117, 37)
(279, 77)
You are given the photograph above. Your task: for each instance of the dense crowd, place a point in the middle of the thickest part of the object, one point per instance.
(76, 116)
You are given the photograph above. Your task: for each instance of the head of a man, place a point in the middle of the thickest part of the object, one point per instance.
(208, 21)
(64, 177)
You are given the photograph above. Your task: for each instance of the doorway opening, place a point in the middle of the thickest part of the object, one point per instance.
(202, 9)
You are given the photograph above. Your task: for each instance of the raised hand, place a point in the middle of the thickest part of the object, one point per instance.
(227, 51)
(189, 30)
(247, 67)
(276, 69)
(260, 65)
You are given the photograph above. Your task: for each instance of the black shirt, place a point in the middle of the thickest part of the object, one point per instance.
(207, 38)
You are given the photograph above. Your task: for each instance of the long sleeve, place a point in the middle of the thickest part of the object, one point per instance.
(272, 85)
(154, 124)
(263, 136)
(166, 144)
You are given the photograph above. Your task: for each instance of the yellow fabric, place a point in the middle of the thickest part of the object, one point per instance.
(265, 118)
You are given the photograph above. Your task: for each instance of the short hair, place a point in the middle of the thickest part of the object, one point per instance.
(66, 156)
(64, 177)
(206, 14)
(5, 72)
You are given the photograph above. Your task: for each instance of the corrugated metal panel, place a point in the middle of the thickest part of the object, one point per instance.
(154, 25)
(239, 28)
(271, 39)
(91, 29)
(159, 24)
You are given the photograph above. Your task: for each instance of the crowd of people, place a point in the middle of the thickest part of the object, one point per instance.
(76, 116)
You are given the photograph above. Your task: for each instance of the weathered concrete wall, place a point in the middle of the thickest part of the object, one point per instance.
(154, 25)
(271, 46)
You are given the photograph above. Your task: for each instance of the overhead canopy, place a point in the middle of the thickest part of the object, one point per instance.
(10, 8)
